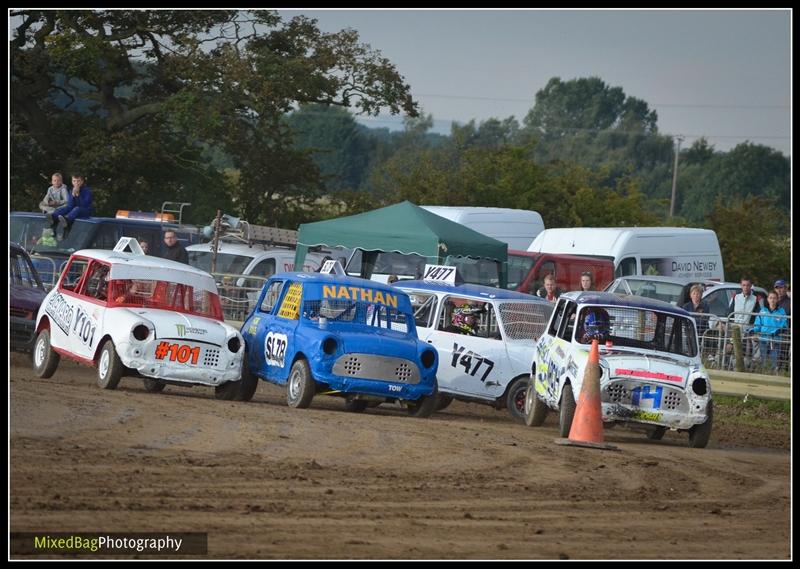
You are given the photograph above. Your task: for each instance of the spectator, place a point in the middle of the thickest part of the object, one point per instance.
(587, 281)
(745, 307)
(79, 205)
(392, 279)
(698, 306)
(784, 300)
(769, 325)
(145, 246)
(47, 239)
(549, 291)
(173, 250)
(56, 195)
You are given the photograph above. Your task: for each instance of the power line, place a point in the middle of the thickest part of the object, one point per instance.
(677, 105)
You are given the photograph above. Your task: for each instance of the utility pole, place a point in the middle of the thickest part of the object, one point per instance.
(679, 138)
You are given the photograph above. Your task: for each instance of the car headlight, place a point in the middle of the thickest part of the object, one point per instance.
(428, 358)
(234, 344)
(140, 332)
(329, 345)
(700, 386)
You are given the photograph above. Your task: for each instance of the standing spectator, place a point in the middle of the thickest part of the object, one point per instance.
(784, 300)
(745, 307)
(145, 246)
(769, 326)
(698, 306)
(56, 195)
(79, 205)
(587, 281)
(549, 291)
(173, 250)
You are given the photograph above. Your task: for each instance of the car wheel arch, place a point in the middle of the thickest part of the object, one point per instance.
(100, 343)
(44, 324)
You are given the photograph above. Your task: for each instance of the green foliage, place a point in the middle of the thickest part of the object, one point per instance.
(147, 98)
(753, 237)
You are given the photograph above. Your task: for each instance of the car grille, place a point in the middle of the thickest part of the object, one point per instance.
(622, 392)
(20, 313)
(381, 368)
(211, 358)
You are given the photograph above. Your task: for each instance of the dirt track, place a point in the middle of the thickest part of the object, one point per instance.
(266, 481)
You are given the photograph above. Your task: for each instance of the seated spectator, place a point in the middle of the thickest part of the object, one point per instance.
(56, 195)
(79, 206)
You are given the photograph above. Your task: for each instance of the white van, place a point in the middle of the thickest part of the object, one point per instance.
(680, 252)
(517, 227)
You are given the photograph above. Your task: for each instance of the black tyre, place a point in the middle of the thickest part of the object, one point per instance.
(154, 385)
(566, 411)
(515, 399)
(443, 402)
(45, 359)
(700, 434)
(241, 390)
(425, 406)
(355, 405)
(300, 388)
(535, 408)
(109, 367)
(656, 433)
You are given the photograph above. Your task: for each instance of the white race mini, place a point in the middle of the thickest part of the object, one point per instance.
(132, 314)
(485, 337)
(652, 376)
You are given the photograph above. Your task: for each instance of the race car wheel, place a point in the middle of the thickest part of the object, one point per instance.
(535, 409)
(443, 402)
(301, 387)
(700, 434)
(355, 405)
(566, 411)
(248, 383)
(425, 406)
(109, 367)
(45, 359)
(154, 385)
(515, 399)
(656, 433)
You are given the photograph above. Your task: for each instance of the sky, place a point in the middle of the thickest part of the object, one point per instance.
(725, 75)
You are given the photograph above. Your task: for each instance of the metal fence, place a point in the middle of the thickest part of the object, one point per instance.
(238, 294)
(735, 344)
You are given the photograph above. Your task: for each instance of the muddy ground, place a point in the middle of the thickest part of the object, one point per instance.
(266, 481)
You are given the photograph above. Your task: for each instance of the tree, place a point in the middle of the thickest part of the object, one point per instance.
(587, 104)
(754, 238)
(183, 82)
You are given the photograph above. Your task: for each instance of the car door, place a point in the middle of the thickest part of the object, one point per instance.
(90, 300)
(467, 364)
(276, 330)
(555, 352)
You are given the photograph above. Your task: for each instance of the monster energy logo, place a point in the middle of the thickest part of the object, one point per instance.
(183, 330)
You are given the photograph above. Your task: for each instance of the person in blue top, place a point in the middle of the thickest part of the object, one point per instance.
(769, 325)
(79, 205)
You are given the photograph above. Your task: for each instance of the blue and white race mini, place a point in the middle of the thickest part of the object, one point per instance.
(340, 335)
(485, 337)
(652, 375)
(130, 314)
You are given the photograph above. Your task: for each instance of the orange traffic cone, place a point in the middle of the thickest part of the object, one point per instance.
(587, 424)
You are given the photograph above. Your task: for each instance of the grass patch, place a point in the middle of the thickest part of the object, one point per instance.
(753, 412)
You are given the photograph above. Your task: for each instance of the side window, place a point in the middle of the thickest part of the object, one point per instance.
(96, 282)
(265, 268)
(73, 274)
(627, 266)
(290, 307)
(568, 322)
(555, 321)
(424, 307)
(272, 296)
